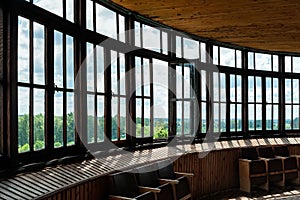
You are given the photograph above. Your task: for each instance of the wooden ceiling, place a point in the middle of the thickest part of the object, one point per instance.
(262, 24)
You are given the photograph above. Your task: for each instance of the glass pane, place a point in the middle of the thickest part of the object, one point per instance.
(296, 117)
(203, 85)
(70, 10)
(89, 15)
(100, 69)
(58, 59)
(215, 55)
(138, 76)
(187, 118)
(275, 117)
(288, 91)
(238, 59)
(258, 89)
(54, 6)
(296, 64)
(288, 117)
(70, 62)
(251, 120)
(90, 67)
(146, 73)
(275, 90)
(100, 118)
(223, 87)
(39, 119)
(203, 117)
(258, 117)
(275, 63)
(114, 118)
(190, 49)
(38, 54)
(203, 52)
(138, 117)
(250, 60)
(123, 129)
(187, 82)
(269, 117)
(23, 50)
(251, 89)
(23, 119)
(232, 118)
(114, 72)
(151, 38)
(58, 119)
(90, 118)
(269, 90)
(216, 117)
(122, 28)
(295, 90)
(223, 118)
(179, 78)
(179, 121)
(164, 42)
(239, 117)
(232, 88)
(137, 31)
(70, 119)
(106, 21)
(288, 64)
(122, 74)
(263, 61)
(146, 117)
(227, 57)
(239, 88)
(216, 86)
(178, 47)
(160, 98)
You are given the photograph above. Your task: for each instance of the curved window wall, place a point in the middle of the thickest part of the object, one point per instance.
(248, 92)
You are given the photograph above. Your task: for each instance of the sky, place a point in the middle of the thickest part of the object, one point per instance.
(106, 24)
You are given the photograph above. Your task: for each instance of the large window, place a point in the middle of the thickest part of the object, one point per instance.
(144, 97)
(219, 102)
(119, 105)
(185, 99)
(64, 125)
(292, 104)
(235, 103)
(255, 103)
(31, 85)
(95, 93)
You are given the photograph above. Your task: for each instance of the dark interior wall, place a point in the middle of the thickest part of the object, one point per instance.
(1, 78)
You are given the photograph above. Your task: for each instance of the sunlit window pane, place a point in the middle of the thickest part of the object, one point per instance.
(100, 118)
(187, 118)
(178, 47)
(70, 119)
(39, 118)
(227, 57)
(122, 74)
(39, 53)
(23, 50)
(215, 55)
(121, 28)
(151, 38)
(54, 6)
(190, 49)
(114, 72)
(114, 118)
(90, 118)
(288, 64)
(100, 69)
(90, 69)
(23, 119)
(70, 61)
(58, 59)
(106, 21)
(58, 119)
(146, 117)
(123, 107)
(250, 60)
(70, 10)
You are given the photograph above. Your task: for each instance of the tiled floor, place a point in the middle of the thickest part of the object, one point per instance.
(290, 192)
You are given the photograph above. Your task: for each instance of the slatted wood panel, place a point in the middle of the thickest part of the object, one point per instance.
(217, 171)
(215, 167)
(264, 24)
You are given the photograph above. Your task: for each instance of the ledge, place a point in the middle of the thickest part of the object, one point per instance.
(44, 183)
